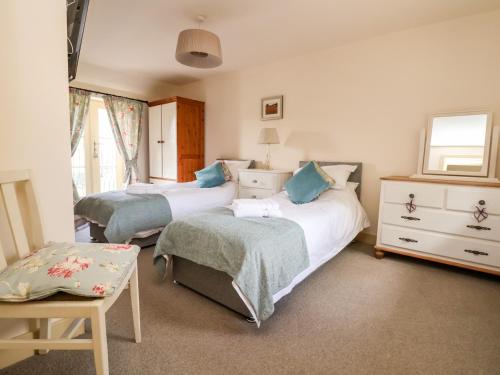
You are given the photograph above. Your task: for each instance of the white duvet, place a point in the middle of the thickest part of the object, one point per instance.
(187, 198)
(330, 223)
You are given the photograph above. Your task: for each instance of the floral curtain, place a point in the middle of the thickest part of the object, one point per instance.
(126, 117)
(79, 101)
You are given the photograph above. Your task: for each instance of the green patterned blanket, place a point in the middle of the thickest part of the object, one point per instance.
(125, 214)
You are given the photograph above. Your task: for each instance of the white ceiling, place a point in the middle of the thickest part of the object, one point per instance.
(139, 37)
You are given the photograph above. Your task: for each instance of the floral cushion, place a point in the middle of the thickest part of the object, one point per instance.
(91, 270)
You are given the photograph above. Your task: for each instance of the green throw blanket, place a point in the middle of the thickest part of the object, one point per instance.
(262, 255)
(125, 214)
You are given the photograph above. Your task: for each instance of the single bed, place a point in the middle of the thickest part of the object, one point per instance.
(125, 217)
(329, 224)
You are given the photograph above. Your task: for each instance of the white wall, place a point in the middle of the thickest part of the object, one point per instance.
(34, 129)
(364, 101)
(129, 84)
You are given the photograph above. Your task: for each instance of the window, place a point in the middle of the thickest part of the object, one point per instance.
(97, 165)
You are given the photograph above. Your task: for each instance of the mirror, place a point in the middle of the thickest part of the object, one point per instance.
(458, 144)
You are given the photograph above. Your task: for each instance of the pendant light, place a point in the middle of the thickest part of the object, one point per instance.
(198, 48)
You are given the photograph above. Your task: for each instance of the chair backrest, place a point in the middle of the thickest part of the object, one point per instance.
(10, 182)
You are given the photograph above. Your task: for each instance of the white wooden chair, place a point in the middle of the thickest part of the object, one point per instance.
(59, 306)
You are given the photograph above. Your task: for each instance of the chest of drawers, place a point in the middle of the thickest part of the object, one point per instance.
(452, 222)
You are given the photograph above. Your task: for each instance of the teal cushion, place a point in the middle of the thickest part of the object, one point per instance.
(306, 185)
(90, 270)
(211, 176)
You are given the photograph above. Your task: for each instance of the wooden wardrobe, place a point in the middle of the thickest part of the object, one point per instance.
(176, 139)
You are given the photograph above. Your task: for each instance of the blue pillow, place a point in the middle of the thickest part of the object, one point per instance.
(306, 185)
(211, 176)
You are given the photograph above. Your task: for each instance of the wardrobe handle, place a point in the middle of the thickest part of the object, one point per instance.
(478, 227)
(476, 252)
(406, 239)
(161, 141)
(410, 218)
(255, 181)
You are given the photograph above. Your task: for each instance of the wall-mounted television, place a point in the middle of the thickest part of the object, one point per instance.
(76, 15)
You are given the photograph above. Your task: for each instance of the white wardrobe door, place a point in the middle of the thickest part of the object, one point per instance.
(169, 132)
(155, 147)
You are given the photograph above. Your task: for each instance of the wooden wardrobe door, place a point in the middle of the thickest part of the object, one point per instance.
(190, 138)
(155, 146)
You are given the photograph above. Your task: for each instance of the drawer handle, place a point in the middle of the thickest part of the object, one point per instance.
(254, 197)
(476, 252)
(410, 218)
(410, 206)
(406, 239)
(255, 181)
(480, 214)
(478, 227)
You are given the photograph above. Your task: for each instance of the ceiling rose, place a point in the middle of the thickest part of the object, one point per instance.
(198, 48)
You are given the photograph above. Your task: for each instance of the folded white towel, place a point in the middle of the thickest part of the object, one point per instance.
(256, 208)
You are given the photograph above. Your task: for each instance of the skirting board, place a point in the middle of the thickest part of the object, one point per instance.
(9, 357)
(367, 238)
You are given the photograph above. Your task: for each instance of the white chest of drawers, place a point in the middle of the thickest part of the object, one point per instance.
(261, 183)
(452, 222)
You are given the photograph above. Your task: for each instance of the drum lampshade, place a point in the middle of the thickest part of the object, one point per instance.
(199, 49)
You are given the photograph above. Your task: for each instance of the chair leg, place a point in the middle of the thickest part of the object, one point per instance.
(45, 332)
(134, 297)
(99, 341)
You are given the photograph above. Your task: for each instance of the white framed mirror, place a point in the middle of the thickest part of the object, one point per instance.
(458, 144)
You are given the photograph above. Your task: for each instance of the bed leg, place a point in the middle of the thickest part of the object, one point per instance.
(379, 254)
(175, 282)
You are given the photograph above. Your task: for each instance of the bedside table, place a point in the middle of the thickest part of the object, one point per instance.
(261, 183)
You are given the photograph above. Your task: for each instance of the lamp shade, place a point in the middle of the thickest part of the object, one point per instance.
(268, 136)
(199, 49)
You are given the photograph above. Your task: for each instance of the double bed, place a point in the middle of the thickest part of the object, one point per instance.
(327, 225)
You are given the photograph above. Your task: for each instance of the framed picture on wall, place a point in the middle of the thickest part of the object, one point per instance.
(272, 108)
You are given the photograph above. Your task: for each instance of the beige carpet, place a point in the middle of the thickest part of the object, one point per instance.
(355, 315)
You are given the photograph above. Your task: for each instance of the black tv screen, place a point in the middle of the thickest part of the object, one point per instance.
(76, 14)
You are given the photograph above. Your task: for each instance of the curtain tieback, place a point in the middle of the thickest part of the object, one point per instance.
(132, 163)
(130, 167)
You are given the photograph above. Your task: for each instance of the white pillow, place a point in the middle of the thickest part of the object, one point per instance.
(235, 165)
(340, 173)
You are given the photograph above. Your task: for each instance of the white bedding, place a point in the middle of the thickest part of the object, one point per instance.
(188, 198)
(330, 223)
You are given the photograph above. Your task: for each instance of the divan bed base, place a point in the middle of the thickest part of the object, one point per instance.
(97, 235)
(215, 285)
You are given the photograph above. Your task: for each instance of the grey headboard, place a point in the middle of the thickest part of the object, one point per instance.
(354, 177)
